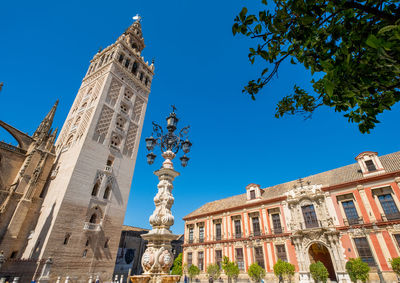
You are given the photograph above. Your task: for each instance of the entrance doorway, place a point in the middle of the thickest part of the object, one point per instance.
(319, 252)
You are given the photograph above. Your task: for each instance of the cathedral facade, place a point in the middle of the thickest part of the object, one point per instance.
(63, 205)
(344, 213)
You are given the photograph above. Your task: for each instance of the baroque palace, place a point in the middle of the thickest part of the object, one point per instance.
(62, 206)
(348, 212)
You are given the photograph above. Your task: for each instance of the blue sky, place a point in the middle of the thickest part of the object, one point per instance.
(45, 49)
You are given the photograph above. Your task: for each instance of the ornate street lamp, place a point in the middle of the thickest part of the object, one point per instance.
(158, 258)
(169, 141)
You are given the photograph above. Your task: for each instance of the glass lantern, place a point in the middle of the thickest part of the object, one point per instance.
(150, 143)
(186, 146)
(150, 158)
(184, 160)
(172, 121)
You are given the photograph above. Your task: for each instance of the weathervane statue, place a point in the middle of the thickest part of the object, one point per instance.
(158, 258)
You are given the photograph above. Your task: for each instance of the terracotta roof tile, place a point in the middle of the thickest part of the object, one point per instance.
(349, 173)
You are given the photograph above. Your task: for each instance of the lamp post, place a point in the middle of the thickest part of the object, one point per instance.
(158, 258)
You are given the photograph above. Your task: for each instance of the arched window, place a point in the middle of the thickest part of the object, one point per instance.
(66, 239)
(95, 190)
(87, 242)
(107, 192)
(77, 121)
(106, 243)
(134, 67)
(69, 140)
(93, 218)
(84, 253)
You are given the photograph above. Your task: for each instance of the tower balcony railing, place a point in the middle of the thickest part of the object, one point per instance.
(91, 227)
(108, 169)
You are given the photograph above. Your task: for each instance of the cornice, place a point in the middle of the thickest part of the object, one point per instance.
(361, 181)
(254, 204)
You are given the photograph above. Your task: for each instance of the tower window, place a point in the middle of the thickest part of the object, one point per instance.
(77, 121)
(87, 242)
(120, 123)
(141, 76)
(370, 165)
(14, 254)
(84, 253)
(69, 141)
(110, 161)
(66, 239)
(107, 192)
(95, 190)
(134, 46)
(128, 94)
(101, 60)
(93, 218)
(124, 108)
(106, 243)
(121, 58)
(134, 67)
(146, 81)
(115, 140)
(127, 63)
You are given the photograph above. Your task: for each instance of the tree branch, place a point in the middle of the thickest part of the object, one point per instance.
(381, 14)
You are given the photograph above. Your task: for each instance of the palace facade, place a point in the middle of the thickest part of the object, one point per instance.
(62, 206)
(348, 212)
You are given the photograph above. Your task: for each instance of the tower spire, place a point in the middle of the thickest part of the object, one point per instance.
(45, 125)
(134, 36)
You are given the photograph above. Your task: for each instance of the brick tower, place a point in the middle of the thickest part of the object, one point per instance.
(80, 223)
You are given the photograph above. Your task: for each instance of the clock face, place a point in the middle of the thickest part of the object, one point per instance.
(129, 256)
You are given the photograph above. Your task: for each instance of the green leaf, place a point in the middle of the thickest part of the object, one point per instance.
(242, 14)
(372, 41)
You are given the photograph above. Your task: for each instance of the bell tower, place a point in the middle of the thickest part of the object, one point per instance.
(83, 211)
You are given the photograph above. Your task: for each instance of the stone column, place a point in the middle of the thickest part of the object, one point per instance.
(157, 259)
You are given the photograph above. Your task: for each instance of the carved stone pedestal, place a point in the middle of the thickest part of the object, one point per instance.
(158, 259)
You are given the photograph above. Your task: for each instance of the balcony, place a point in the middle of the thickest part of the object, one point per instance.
(311, 223)
(114, 147)
(277, 231)
(91, 227)
(391, 216)
(108, 169)
(353, 221)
